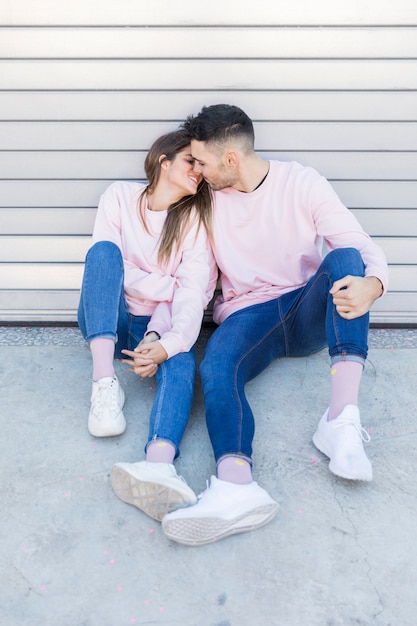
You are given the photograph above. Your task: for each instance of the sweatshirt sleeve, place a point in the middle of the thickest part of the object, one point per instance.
(109, 225)
(160, 321)
(196, 277)
(340, 229)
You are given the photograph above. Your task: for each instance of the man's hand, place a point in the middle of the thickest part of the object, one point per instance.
(150, 337)
(146, 357)
(353, 296)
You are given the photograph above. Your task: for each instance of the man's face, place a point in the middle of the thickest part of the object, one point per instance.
(211, 163)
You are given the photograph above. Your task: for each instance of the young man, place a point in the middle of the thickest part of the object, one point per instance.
(279, 298)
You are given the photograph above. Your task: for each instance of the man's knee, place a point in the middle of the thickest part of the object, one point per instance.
(208, 366)
(347, 261)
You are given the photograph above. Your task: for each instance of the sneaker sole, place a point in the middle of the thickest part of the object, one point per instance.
(318, 442)
(117, 427)
(200, 531)
(154, 499)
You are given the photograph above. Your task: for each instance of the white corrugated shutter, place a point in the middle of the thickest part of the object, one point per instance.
(87, 85)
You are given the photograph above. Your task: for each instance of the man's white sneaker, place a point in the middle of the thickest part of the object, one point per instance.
(154, 488)
(223, 509)
(341, 439)
(106, 417)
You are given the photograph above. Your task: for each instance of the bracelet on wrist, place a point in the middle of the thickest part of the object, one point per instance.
(153, 332)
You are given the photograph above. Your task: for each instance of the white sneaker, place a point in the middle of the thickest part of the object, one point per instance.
(154, 488)
(341, 439)
(106, 417)
(223, 509)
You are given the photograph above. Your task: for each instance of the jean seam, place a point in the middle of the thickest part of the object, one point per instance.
(303, 297)
(235, 376)
(161, 390)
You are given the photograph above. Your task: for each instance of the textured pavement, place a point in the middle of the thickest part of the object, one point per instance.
(337, 554)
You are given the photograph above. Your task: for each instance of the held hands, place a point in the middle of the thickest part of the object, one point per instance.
(353, 296)
(146, 357)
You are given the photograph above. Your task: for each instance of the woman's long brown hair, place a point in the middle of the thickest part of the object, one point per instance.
(179, 213)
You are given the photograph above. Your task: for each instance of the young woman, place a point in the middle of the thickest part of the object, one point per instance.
(148, 277)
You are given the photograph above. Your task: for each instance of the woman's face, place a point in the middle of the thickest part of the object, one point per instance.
(180, 173)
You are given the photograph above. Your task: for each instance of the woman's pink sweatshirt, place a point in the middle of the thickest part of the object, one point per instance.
(174, 295)
(270, 241)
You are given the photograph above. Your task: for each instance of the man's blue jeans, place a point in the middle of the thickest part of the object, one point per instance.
(298, 323)
(103, 312)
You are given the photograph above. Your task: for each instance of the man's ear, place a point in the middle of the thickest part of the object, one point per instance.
(231, 159)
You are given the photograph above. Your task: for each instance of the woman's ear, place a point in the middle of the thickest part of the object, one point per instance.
(163, 161)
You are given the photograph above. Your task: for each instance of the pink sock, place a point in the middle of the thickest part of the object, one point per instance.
(234, 469)
(346, 377)
(160, 451)
(102, 351)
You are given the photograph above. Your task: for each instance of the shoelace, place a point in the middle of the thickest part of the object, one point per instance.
(200, 495)
(362, 432)
(106, 395)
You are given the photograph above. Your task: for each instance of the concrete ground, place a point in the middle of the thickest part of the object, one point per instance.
(337, 553)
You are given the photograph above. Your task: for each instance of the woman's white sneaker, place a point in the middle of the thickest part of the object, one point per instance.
(223, 509)
(106, 417)
(341, 440)
(154, 488)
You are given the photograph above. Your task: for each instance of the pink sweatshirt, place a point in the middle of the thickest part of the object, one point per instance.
(174, 295)
(270, 241)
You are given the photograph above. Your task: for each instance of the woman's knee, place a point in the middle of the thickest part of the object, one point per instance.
(180, 368)
(102, 251)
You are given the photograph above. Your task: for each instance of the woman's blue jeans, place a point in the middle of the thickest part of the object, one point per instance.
(103, 312)
(296, 324)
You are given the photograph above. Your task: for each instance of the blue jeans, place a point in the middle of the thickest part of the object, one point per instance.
(296, 324)
(103, 312)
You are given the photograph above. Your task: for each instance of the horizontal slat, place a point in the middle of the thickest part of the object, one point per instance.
(69, 276)
(15, 299)
(69, 193)
(214, 74)
(75, 164)
(31, 249)
(41, 276)
(384, 195)
(403, 277)
(61, 315)
(129, 164)
(387, 222)
(400, 250)
(189, 42)
(61, 305)
(395, 308)
(94, 12)
(260, 105)
(402, 302)
(42, 194)
(81, 135)
(80, 221)
(48, 316)
(61, 249)
(285, 136)
(30, 301)
(50, 305)
(53, 221)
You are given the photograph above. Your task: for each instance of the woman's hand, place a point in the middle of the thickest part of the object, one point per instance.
(146, 357)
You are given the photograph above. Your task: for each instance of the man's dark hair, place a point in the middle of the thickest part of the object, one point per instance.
(218, 123)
